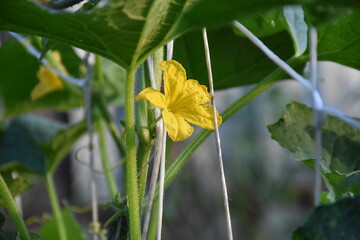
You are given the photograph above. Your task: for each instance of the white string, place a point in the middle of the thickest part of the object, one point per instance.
(217, 136)
(169, 54)
(318, 115)
(317, 100)
(34, 52)
(158, 149)
(161, 183)
(169, 50)
(273, 56)
(88, 117)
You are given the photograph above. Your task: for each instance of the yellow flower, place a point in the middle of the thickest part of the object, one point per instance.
(48, 82)
(183, 102)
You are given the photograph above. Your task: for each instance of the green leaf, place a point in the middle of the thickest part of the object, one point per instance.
(344, 184)
(264, 23)
(18, 71)
(214, 12)
(339, 41)
(235, 60)
(340, 146)
(20, 143)
(113, 86)
(49, 229)
(128, 31)
(61, 144)
(123, 31)
(340, 141)
(335, 221)
(294, 17)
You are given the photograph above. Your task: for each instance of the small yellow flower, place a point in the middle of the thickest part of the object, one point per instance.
(48, 82)
(183, 102)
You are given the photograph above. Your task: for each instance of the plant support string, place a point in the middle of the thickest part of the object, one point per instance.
(217, 136)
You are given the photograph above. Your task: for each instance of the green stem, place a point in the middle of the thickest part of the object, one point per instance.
(12, 209)
(50, 186)
(131, 166)
(100, 104)
(143, 157)
(109, 176)
(153, 222)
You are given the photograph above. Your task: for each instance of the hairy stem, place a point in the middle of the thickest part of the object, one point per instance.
(131, 166)
(10, 205)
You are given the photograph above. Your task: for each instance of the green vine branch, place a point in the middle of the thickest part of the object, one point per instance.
(13, 211)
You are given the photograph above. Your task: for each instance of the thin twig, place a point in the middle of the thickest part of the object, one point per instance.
(217, 136)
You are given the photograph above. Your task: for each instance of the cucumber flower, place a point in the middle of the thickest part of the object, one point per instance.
(48, 82)
(183, 102)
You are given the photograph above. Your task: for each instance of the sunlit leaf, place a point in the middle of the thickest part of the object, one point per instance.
(340, 146)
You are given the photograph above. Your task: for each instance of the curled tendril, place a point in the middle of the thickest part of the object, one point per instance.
(100, 172)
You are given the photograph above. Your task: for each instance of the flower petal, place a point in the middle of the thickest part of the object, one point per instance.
(194, 93)
(198, 93)
(177, 128)
(48, 82)
(201, 115)
(155, 97)
(174, 79)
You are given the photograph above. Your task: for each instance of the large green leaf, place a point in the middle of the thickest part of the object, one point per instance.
(20, 143)
(123, 31)
(339, 41)
(340, 146)
(235, 60)
(49, 229)
(214, 12)
(128, 31)
(18, 71)
(340, 220)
